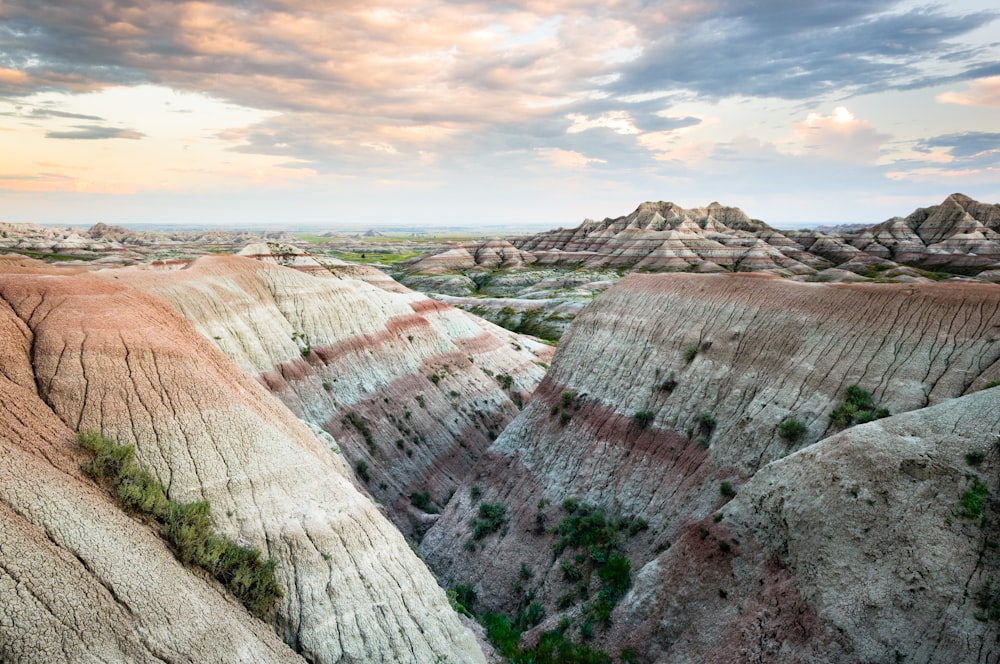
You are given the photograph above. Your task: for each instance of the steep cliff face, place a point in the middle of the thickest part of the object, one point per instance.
(412, 390)
(98, 355)
(671, 391)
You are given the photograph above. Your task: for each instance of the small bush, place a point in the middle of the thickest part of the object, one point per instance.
(475, 493)
(505, 380)
(727, 490)
(434, 378)
(422, 501)
(361, 467)
(463, 599)
(690, 353)
(791, 429)
(643, 418)
(975, 457)
(858, 408)
(707, 421)
(490, 518)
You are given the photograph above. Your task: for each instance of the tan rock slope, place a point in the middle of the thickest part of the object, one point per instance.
(83, 352)
(669, 386)
(412, 390)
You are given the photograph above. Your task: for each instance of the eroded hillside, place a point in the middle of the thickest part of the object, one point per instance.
(668, 395)
(81, 352)
(412, 390)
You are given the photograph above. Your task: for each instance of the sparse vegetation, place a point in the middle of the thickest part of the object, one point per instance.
(186, 526)
(587, 527)
(358, 422)
(726, 489)
(643, 418)
(489, 519)
(974, 457)
(505, 380)
(422, 501)
(991, 384)
(361, 468)
(569, 402)
(974, 499)
(690, 353)
(475, 493)
(791, 429)
(858, 407)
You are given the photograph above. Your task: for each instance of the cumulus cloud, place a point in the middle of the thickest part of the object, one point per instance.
(981, 92)
(840, 135)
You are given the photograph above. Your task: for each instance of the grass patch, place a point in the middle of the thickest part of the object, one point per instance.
(186, 526)
(974, 500)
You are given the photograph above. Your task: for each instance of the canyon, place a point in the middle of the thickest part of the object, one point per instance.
(748, 444)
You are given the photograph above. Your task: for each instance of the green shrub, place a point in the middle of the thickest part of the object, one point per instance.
(991, 384)
(643, 418)
(505, 380)
(186, 526)
(858, 407)
(727, 490)
(974, 499)
(422, 500)
(974, 458)
(690, 353)
(490, 518)
(361, 467)
(358, 422)
(791, 429)
(475, 493)
(463, 599)
(434, 378)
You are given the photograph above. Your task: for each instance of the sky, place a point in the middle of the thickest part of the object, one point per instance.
(464, 113)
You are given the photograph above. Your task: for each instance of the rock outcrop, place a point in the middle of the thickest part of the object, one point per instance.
(82, 352)
(861, 548)
(669, 394)
(412, 390)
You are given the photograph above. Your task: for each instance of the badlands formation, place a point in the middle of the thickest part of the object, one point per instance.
(711, 467)
(83, 582)
(669, 396)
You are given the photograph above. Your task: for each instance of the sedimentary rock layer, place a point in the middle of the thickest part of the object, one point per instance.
(669, 386)
(99, 355)
(412, 390)
(857, 549)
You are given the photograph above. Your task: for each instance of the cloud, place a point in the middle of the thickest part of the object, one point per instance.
(840, 136)
(966, 146)
(568, 158)
(981, 92)
(95, 133)
(797, 50)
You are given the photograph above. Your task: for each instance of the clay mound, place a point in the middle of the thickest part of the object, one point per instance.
(668, 385)
(856, 549)
(413, 390)
(103, 356)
